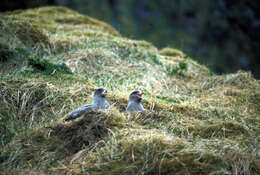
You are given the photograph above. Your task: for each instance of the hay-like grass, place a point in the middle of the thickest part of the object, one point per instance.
(149, 152)
(49, 144)
(171, 52)
(195, 122)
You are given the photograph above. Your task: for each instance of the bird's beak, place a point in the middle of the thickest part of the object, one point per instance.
(140, 95)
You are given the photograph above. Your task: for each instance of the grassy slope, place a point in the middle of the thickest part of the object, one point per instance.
(53, 58)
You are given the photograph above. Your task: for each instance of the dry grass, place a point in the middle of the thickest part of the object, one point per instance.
(171, 52)
(138, 151)
(195, 122)
(53, 143)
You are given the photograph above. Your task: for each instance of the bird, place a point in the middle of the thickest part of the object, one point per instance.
(135, 102)
(99, 102)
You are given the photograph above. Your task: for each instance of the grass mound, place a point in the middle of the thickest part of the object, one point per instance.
(48, 17)
(148, 152)
(171, 52)
(195, 122)
(52, 143)
(26, 33)
(26, 104)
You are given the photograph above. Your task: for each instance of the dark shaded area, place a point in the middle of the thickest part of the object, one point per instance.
(223, 34)
(9, 5)
(5, 54)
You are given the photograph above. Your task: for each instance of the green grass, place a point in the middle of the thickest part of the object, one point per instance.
(46, 67)
(195, 122)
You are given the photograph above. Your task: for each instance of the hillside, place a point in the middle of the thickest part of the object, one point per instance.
(53, 58)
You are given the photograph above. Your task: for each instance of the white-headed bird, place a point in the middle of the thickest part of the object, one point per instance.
(99, 102)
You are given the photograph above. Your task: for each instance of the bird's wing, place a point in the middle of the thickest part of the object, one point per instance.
(80, 111)
(134, 107)
(107, 105)
(130, 107)
(141, 108)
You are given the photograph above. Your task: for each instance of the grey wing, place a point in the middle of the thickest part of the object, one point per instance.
(141, 108)
(130, 107)
(79, 112)
(107, 105)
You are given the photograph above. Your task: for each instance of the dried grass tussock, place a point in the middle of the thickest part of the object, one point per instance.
(51, 61)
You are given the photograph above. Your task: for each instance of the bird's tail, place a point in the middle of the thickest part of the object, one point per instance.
(77, 113)
(70, 117)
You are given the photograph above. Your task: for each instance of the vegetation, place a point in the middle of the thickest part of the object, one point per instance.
(223, 34)
(47, 67)
(195, 122)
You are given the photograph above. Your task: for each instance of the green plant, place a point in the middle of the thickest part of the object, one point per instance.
(41, 65)
(182, 65)
(176, 69)
(155, 59)
(168, 99)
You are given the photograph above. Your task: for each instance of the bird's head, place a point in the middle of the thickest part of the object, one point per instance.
(100, 92)
(136, 96)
